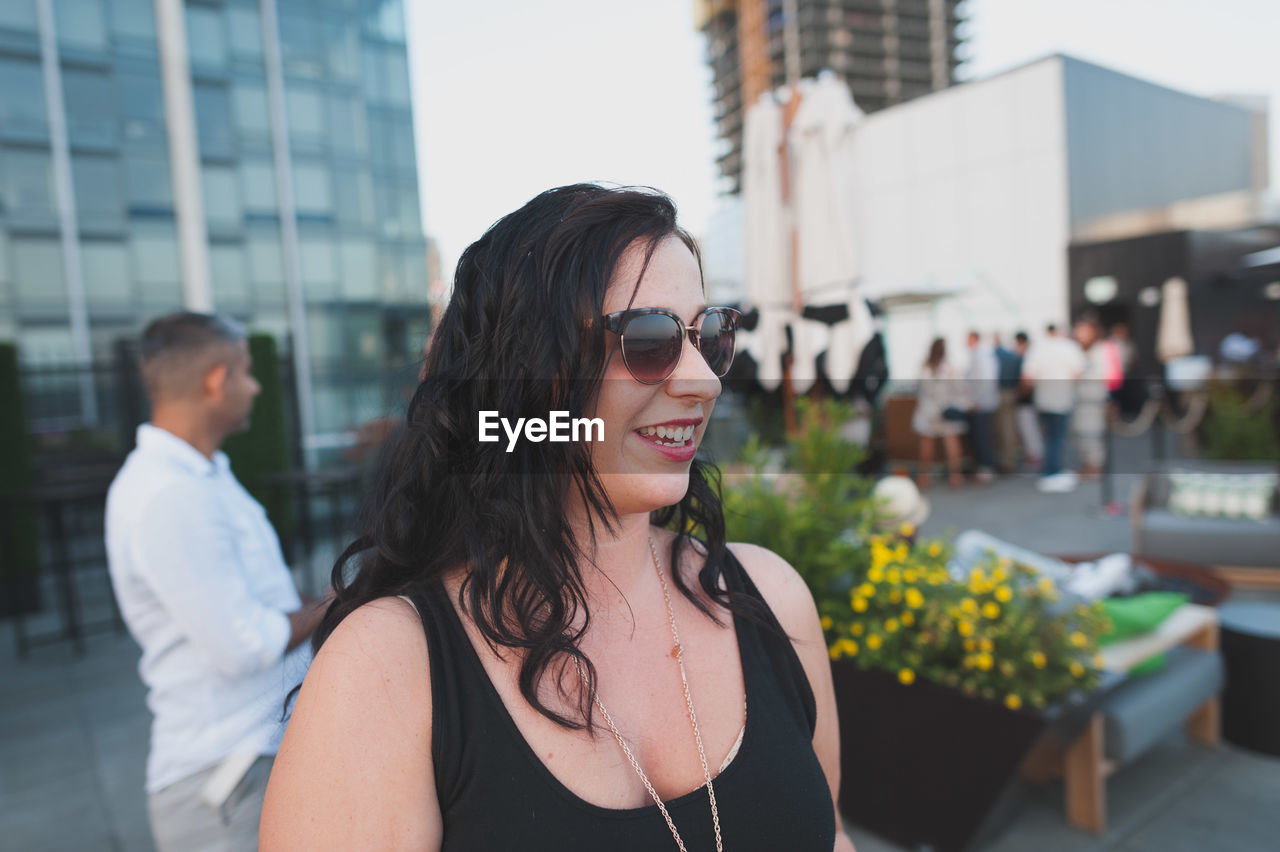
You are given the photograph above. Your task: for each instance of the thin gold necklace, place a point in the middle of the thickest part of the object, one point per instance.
(677, 651)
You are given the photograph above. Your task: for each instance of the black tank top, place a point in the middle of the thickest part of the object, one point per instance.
(495, 794)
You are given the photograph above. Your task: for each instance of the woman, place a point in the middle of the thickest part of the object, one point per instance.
(503, 670)
(939, 398)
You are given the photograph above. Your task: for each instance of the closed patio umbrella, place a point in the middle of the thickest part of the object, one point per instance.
(1173, 337)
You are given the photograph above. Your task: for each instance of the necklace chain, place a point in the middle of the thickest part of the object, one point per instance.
(677, 651)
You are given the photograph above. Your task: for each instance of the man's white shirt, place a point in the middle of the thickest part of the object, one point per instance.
(204, 588)
(1053, 365)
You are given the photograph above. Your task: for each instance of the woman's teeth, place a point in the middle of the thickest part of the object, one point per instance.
(668, 436)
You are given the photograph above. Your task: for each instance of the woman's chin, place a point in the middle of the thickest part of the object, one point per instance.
(644, 492)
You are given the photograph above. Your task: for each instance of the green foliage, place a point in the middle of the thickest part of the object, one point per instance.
(1233, 432)
(817, 514)
(20, 555)
(263, 449)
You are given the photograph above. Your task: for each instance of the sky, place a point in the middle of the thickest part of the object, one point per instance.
(512, 97)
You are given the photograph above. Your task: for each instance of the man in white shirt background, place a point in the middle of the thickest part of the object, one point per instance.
(204, 589)
(1052, 366)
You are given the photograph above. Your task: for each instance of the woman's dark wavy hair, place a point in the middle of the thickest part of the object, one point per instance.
(522, 336)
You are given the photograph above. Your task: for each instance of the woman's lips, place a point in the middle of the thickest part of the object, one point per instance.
(673, 442)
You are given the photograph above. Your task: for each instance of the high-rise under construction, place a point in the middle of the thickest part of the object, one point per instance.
(888, 51)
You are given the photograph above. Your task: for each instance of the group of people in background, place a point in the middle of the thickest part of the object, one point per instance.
(1017, 403)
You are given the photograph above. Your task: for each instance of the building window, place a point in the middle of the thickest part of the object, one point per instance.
(147, 183)
(246, 32)
(342, 50)
(319, 270)
(22, 110)
(313, 195)
(206, 43)
(99, 196)
(266, 269)
(38, 275)
(28, 185)
(258, 184)
(213, 120)
(353, 189)
(249, 100)
(107, 282)
(348, 132)
(301, 48)
(80, 24)
(18, 14)
(90, 106)
(230, 281)
(357, 270)
(142, 104)
(221, 197)
(155, 262)
(133, 19)
(385, 20)
(306, 117)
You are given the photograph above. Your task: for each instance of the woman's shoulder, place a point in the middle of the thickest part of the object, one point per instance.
(781, 586)
(380, 642)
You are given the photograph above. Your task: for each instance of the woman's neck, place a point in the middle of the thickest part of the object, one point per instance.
(620, 566)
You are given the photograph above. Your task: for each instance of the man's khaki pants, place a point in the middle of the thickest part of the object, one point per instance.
(181, 822)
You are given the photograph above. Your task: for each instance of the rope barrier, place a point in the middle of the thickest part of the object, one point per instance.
(1197, 405)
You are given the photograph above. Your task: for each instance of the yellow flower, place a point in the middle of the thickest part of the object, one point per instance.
(867, 590)
(909, 576)
(874, 641)
(848, 647)
(985, 662)
(1004, 563)
(900, 552)
(895, 596)
(1004, 594)
(875, 574)
(969, 606)
(934, 549)
(1078, 639)
(907, 530)
(1098, 662)
(825, 621)
(907, 676)
(1012, 701)
(976, 575)
(908, 619)
(991, 609)
(914, 599)
(894, 576)
(859, 603)
(1046, 585)
(857, 628)
(1077, 670)
(964, 628)
(834, 652)
(891, 625)
(1039, 660)
(999, 576)
(986, 644)
(970, 645)
(1007, 668)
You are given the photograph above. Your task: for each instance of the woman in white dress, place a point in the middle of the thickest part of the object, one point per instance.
(940, 390)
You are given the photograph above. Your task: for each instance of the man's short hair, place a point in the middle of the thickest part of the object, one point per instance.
(1021, 337)
(176, 351)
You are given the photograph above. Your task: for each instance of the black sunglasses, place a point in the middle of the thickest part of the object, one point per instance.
(653, 340)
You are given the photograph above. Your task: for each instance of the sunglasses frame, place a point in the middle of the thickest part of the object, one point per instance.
(617, 322)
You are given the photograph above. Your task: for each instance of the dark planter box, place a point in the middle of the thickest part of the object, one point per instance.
(924, 764)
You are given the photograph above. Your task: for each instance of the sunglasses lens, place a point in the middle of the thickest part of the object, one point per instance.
(651, 347)
(715, 341)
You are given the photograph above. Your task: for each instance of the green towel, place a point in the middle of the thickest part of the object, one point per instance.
(1136, 615)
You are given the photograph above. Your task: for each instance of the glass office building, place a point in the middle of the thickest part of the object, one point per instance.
(255, 157)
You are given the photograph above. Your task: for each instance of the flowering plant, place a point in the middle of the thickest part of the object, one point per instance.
(887, 600)
(1000, 634)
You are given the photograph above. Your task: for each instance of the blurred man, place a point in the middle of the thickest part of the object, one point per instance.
(984, 390)
(1052, 367)
(1089, 422)
(203, 586)
(1015, 426)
